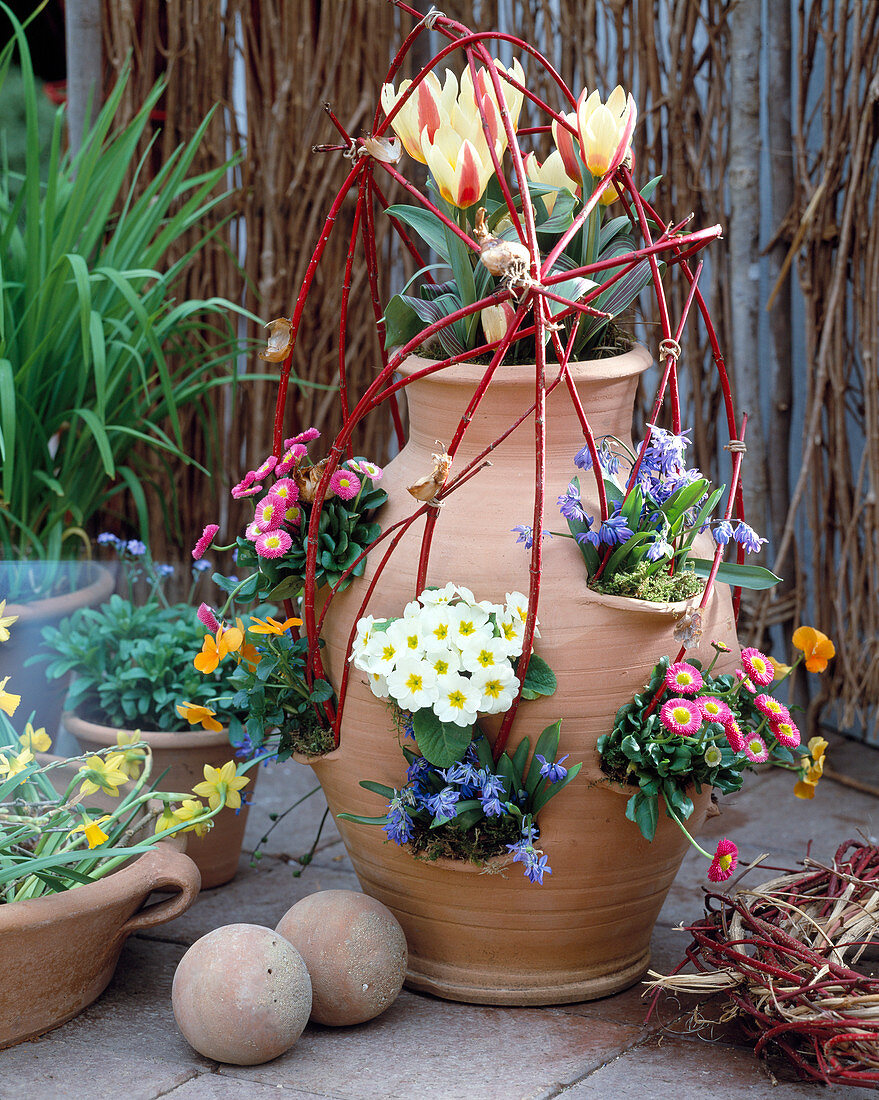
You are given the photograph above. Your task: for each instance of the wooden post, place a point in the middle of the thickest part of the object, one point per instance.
(82, 26)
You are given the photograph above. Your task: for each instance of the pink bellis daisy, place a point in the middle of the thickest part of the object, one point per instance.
(289, 459)
(683, 678)
(755, 749)
(273, 544)
(368, 469)
(287, 489)
(263, 471)
(734, 734)
(206, 616)
(726, 856)
(786, 733)
(269, 513)
(293, 515)
(745, 681)
(713, 710)
(344, 484)
(247, 488)
(758, 667)
(207, 537)
(771, 707)
(303, 437)
(681, 716)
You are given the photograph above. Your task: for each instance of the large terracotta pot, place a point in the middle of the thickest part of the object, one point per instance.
(59, 951)
(93, 584)
(184, 755)
(498, 939)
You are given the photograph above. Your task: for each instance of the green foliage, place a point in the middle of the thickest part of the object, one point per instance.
(96, 353)
(644, 584)
(131, 665)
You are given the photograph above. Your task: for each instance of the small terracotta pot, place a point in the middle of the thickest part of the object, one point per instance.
(184, 755)
(46, 697)
(59, 951)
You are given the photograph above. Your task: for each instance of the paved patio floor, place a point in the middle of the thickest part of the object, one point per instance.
(127, 1044)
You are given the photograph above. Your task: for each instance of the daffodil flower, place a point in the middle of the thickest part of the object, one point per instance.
(8, 700)
(132, 758)
(195, 712)
(191, 808)
(13, 765)
(221, 783)
(5, 622)
(35, 740)
(91, 827)
(104, 775)
(165, 820)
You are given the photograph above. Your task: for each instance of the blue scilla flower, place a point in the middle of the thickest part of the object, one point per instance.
(491, 784)
(418, 770)
(443, 804)
(659, 549)
(463, 773)
(666, 450)
(492, 806)
(244, 748)
(553, 771)
(614, 531)
(722, 532)
(526, 534)
(399, 824)
(607, 459)
(746, 536)
(536, 866)
(588, 536)
(570, 505)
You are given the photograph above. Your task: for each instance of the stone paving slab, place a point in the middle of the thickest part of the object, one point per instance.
(507, 1053)
(211, 1086)
(693, 1070)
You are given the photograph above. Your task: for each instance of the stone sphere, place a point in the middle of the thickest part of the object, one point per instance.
(241, 994)
(355, 952)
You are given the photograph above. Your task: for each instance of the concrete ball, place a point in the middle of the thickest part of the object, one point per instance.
(355, 952)
(241, 995)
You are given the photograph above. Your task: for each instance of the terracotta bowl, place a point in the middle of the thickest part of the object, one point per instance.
(59, 951)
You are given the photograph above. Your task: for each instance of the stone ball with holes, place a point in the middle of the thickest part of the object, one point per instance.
(355, 952)
(241, 994)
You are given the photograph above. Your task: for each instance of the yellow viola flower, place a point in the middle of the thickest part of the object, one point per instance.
(132, 758)
(94, 834)
(220, 783)
(191, 808)
(8, 700)
(780, 670)
(817, 647)
(552, 173)
(215, 648)
(195, 712)
(104, 775)
(5, 622)
(817, 748)
(271, 626)
(813, 768)
(12, 765)
(35, 740)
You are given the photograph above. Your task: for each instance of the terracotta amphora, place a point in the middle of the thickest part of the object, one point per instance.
(496, 938)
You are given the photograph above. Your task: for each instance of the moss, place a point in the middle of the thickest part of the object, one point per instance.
(656, 588)
(311, 739)
(488, 838)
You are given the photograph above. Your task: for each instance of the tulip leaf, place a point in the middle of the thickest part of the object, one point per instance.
(402, 323)
(426, 225)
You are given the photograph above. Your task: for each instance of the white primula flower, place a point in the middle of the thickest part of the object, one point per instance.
(431, 597)
(407, 636)
(435, 623)
(412, 610)
(364, 633)
(444, 662)
(458, 701)
(512, 631)
(378, 685)
(484, 652)
(498, 687)
(380, 655)
(413, 684)
(466, 621)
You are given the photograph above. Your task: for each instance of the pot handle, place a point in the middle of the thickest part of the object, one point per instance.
(165, 867)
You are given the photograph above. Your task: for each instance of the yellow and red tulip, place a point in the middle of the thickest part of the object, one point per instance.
(605, 129)
(424, 110)
(552, 173)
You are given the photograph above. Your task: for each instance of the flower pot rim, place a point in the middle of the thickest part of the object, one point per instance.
(626, 364)
(647, 607)
(495, 865)
(156, 739)
(130, 879)
(98, 589)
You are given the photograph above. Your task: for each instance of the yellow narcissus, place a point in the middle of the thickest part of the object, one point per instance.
(220, 783)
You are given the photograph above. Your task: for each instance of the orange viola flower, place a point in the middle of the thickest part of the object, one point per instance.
(817, 647)
(214, 649)
(271, 626)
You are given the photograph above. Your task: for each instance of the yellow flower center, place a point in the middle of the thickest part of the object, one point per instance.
(441, 631)
(492, 688)
(485, 657)
(388, 653)
(441, 667)
(681, 715)
(456, 699)
(467, 628)
(414, 682)
(725, 861)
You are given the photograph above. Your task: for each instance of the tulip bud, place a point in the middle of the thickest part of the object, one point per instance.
(496, 321)
(499, 256)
